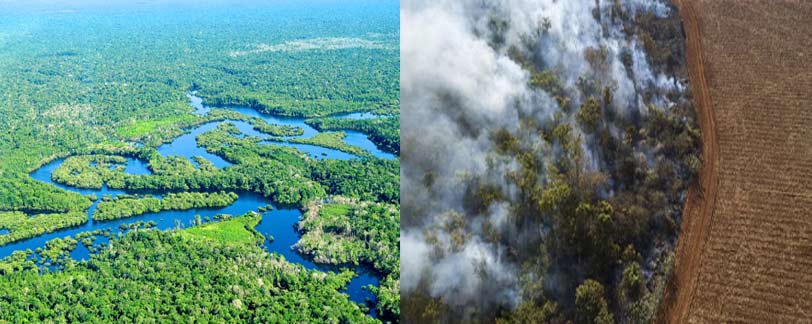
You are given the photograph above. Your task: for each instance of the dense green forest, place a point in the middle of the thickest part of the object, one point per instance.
(384, 132)
(102, 85)
(333, 140)
(126, 206)
(78, 90)
(344, 231)
(175, 276)
(278, 172)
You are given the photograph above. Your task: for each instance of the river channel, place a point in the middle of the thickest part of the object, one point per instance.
(276, 223)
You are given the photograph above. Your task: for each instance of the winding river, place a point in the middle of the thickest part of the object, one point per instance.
(186, 144)
(276, 223)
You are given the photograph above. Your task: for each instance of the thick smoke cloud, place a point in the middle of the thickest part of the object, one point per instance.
(452, 85)
(458, 85)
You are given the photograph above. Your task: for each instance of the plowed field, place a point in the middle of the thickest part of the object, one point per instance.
(745, 251)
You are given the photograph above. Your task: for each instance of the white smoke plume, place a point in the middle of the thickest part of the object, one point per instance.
(457, 86)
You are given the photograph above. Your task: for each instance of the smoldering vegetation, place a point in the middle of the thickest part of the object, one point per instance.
(547, 147)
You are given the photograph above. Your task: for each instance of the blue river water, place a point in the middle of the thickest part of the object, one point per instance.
(353, 138)
(361, 115)
(186, 146)
(276, 223)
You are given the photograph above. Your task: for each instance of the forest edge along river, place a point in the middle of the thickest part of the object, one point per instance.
(186, 145)
(276, 223)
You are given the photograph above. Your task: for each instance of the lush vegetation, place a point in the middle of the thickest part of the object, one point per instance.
(348, 231)
(384, 132)
(368, 179)
(34, 197)
(74, 90)
(154, 133)
(89, 171)
(22, 226)
(276, 130)
(311, 107)
(333, 140)
(174, 276)
(140, 128)
(277, 172)
(99, 86)
(127, 206)
(234, 230)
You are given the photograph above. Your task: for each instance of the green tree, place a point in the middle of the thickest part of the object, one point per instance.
(631, 284)
(589, 115)
(590, 304)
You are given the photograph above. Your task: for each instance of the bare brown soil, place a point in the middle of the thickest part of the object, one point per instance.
(745, 250)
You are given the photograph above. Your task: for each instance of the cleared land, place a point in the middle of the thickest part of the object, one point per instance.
(745, 252)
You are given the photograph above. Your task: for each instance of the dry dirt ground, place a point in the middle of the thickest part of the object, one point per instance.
(745, 251)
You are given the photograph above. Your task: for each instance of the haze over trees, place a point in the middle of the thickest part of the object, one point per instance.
(547, 152)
